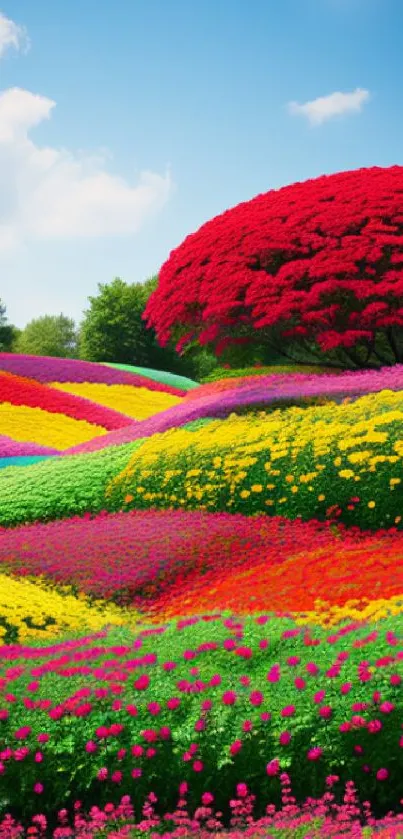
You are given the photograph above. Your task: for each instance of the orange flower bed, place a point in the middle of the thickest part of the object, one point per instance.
(326, 580)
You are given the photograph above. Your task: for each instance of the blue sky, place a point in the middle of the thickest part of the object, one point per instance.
(125, 126)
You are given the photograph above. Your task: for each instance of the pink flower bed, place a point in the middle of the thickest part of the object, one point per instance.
(146, 550)
(14, 448)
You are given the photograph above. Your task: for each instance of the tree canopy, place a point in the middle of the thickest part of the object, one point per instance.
(113, 330)
(54, 335)
(311, 272)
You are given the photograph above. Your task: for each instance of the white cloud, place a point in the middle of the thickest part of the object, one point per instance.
(335, 104)
(49, 193)
(12, 35)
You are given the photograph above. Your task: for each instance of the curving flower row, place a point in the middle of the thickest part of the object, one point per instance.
(35, 425)
(136, 402)
(308, 462)
(60, 487)
(16, 390)
(24, 460)
(303, 462)
(267, 391)
(48, 369)
(175, 563)
(268, 378)
(163, 376)
(14, 448)
(35, 609)
(220, 374)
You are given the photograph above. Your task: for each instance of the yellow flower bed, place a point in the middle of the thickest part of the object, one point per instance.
(326, 614)
(33, 608)
(34, 425)
(136, 402)
(291, 461)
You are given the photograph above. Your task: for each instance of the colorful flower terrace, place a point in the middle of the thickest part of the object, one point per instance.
(201, 585)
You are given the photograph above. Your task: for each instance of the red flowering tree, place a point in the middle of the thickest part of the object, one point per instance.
(311, 272)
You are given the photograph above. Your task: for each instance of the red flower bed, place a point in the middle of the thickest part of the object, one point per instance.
(176, 562)
(320, 260)
(20, 391)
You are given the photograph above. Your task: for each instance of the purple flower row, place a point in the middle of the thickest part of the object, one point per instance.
(257, 393)
(14, 448)
(46, 369)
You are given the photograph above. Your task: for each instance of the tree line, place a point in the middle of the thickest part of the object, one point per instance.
(112, 329)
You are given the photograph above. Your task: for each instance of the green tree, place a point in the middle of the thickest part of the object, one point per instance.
(54, 335)
(8, 333)
(113, 330)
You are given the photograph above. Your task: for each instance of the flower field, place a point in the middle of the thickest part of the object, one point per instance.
(201, 602)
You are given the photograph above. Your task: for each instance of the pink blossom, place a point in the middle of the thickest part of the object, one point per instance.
(273, 767)
(315, 753)
(235, 747)
(256, 697)
(319, 696)
(173, 703)
(198, 766)
(229, 697)
(288, 711)
(325, 712)
(91, 747)
(165, 732)
(142, 683)
(387, 707)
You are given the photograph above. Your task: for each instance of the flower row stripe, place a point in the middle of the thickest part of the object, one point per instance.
(19, 391)
(47, 369)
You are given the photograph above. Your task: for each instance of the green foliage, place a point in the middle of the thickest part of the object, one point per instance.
(113, 330)
(265, 370)
(68, 768)
(60, 486)
(8, 333)
(52, 335)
